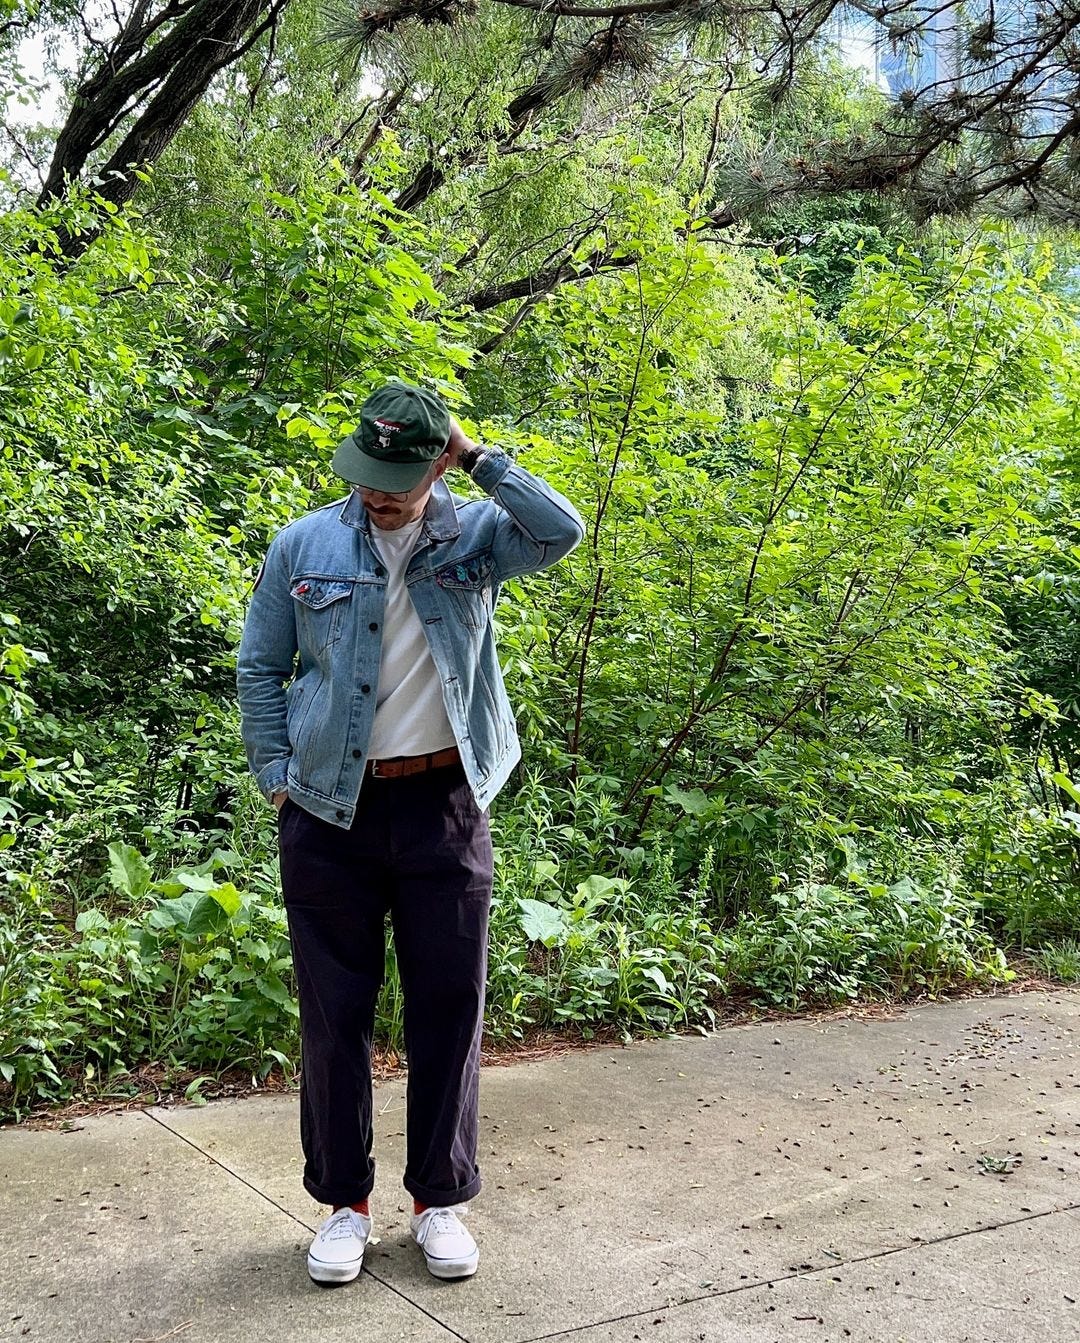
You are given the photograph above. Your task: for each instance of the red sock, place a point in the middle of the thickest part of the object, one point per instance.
(356, 1207)
(418, 1207)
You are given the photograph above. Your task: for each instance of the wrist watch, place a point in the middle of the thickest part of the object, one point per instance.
(470, 458)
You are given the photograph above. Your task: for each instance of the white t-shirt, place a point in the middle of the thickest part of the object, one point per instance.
(410, 717)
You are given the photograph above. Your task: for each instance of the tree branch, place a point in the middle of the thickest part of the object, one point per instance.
(543, 282)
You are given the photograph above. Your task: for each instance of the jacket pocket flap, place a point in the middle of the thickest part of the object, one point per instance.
(319, 592)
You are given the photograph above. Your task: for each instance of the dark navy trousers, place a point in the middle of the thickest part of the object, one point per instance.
(419, 848)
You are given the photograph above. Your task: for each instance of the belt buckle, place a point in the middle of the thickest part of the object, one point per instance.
(375, 774)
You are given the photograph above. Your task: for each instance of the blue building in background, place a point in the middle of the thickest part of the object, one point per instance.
(936, 52)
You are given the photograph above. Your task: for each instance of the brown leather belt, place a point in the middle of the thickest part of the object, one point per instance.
(402, 765)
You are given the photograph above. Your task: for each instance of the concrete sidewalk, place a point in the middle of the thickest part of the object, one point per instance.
(910, 1179)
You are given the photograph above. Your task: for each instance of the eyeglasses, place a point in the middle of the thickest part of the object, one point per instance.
(398, 496)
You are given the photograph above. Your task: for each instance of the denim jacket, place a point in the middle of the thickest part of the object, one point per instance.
(309, 657)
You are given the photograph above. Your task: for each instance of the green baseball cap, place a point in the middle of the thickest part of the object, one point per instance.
(402, 430)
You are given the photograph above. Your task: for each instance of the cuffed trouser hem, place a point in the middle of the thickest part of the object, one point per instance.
(442, 1198)
(339, 1197)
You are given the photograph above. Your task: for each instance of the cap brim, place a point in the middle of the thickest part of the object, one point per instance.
(351, 463)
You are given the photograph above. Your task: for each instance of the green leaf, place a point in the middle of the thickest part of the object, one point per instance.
(271, 987)
(227, 896)
(195, 881)
(90, 919)
(658, 977)
(206, 917)
(596, 889)
(176, 912)
(128, 870)
(695, 802)
(544, 923)
(193, 1091)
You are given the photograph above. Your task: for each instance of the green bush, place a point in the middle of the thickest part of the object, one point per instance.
(830, 944)
(1061, 962)
(193, 975)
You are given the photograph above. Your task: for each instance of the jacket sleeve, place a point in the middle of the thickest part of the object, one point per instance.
(537, 526)
(264, 665)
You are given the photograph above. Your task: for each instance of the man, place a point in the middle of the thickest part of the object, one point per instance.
(375, 718)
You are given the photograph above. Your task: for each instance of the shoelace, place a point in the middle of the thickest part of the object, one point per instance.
(344, 1225)
(441, 1220)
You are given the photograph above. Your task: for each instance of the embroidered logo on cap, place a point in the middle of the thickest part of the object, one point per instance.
(385, 429)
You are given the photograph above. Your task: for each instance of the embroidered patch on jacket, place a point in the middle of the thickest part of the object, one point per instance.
(317, 593)
(468, 575)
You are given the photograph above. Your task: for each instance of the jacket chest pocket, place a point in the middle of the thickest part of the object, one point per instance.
(468, 588)
(321, 605)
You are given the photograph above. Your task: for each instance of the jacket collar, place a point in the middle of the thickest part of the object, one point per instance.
(440, 516)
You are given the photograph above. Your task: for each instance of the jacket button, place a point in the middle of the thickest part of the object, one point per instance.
(365, 689)
(357, 754)
(380, 572)
(373, 626)
(340, 815)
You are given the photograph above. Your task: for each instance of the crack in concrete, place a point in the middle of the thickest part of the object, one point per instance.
(300, 1222)
(803, 1273)
(228, 1170)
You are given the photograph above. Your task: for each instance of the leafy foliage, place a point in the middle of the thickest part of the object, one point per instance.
(798, 717)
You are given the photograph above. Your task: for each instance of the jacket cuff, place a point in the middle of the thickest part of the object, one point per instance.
(490, 469)
(274, 778)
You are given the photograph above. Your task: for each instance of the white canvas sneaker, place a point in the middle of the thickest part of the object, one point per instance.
(337, 1252)
(448, 1248)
